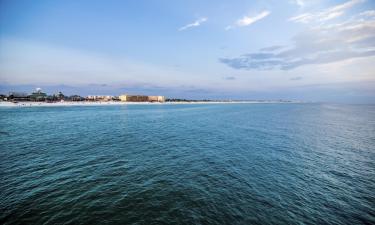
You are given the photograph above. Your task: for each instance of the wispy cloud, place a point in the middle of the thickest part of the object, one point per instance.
(194, 24)
(248, 20)
(300, 3)
(354, 38)
(368, 13)
(327, 14)
(303, 4)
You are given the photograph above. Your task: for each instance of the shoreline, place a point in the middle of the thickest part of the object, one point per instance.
(61, 104)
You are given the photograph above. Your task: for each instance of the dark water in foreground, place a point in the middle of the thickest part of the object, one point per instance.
(188, 164)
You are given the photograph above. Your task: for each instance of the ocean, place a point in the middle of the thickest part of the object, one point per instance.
(188, 164)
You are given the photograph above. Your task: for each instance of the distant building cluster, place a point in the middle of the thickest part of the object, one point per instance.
(103, 98)
(141, 98)
(39, 96)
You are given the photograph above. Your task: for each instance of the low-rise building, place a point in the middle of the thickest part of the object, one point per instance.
(38, 95)
(76, 98)
(133, 98)
(18, 96)
(3, 97)
(99, 98)
(141, 98)
(156, 98)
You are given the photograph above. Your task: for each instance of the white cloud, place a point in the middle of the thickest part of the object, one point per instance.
(368, 13)
(300, 3)
(323, 44)
(303, 4)
(325, 15)
(247, 20)
(194, 24)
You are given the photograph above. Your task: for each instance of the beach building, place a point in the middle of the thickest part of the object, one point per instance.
(156, 98)
(99, 98)
(141, 98)
(60, 96)
(38, 95)
(76, 98)
(133, 98)
(18, 96)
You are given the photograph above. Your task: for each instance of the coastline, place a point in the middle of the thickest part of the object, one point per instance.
(110, 103)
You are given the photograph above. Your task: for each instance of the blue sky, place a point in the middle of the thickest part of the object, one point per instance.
(310, 50)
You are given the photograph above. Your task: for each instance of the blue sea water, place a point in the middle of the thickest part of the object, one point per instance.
(188, 164)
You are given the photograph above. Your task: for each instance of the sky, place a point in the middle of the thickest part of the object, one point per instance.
(309, 50)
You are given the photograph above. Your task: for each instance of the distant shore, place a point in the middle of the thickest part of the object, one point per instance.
(85, 103)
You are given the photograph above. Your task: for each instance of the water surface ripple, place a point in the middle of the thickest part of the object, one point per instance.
(188, 164)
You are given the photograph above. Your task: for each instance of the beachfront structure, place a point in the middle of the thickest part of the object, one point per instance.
(99, 98)
(133, 98)
(156, 98)
(18, 96)
(141, 98)
(76, 98)
(38, 95)
(60, 96)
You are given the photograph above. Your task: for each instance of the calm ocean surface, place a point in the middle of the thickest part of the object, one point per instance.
(188, 164)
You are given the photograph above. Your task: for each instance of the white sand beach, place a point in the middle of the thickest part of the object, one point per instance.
(112, 103)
